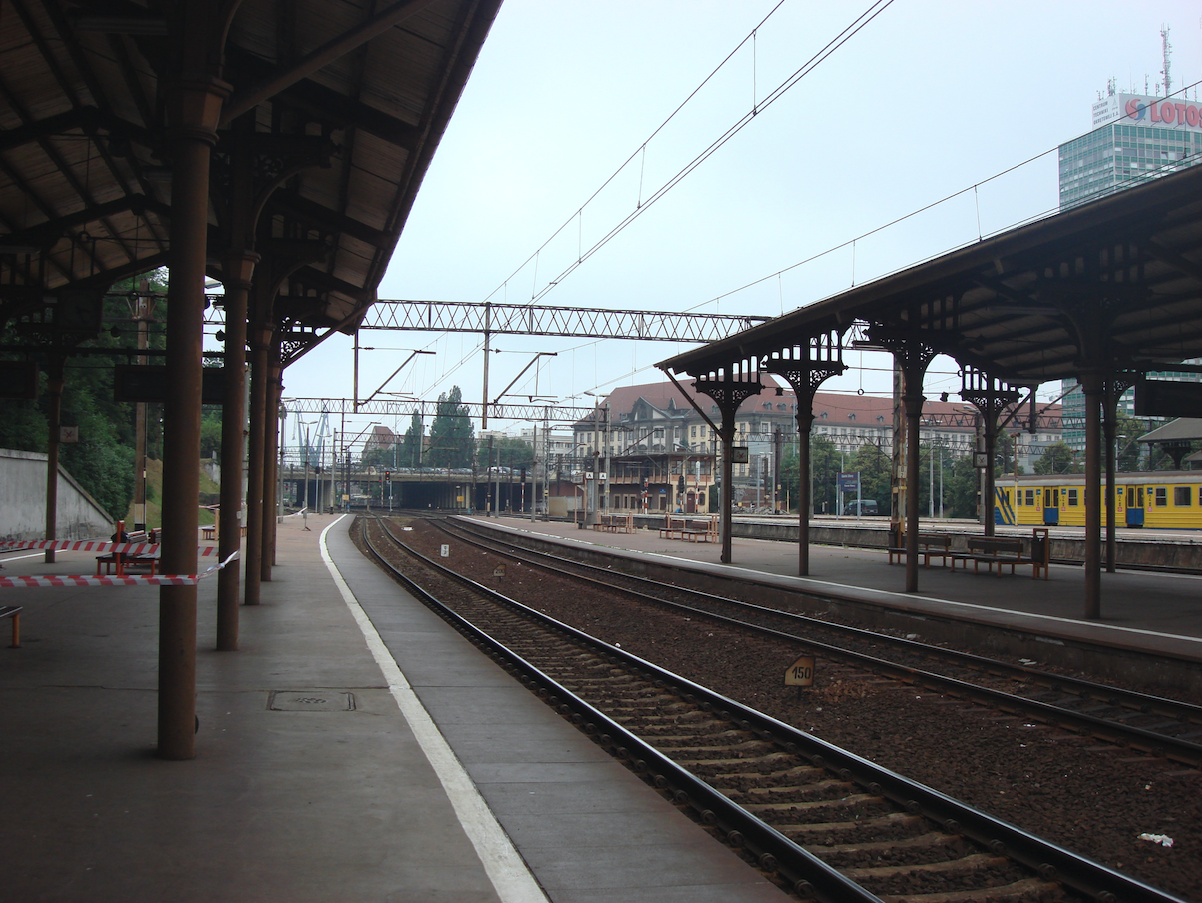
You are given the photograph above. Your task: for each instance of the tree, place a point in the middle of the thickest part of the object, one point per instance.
(506, 452)
(452, 438)
(961, 487)
(824, 467)
(1056, 458)
(411, 445)
(102, 460)
(874, 466)
(210, 433)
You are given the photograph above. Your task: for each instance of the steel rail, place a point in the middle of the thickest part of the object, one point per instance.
(1174, 748)
(1048, 860)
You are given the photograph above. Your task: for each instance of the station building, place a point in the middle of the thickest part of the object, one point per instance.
(658, 445)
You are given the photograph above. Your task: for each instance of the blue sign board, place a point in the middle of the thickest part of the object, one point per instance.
(849, 482)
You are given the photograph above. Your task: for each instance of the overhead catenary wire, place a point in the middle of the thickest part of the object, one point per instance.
(834, 44)
(850, 243)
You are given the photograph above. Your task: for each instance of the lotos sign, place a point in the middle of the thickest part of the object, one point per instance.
(1168, 112)
(1163, 112)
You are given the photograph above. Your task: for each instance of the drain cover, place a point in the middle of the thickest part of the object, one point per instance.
(310, 701)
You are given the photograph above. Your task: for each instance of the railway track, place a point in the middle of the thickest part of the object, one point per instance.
(822, 822)
(1148, 724)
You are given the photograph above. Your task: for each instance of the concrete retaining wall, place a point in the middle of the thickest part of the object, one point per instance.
(23, 502)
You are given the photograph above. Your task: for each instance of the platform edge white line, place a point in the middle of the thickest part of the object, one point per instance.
(510, 877)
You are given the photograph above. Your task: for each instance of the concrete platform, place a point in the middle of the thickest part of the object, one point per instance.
(354, 749)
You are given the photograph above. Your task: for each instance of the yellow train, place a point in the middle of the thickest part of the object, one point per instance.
(1159, 499)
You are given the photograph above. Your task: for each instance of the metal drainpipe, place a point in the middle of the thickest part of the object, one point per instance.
(54, 386)
(239, 268)
(260, 344)
(271, 434)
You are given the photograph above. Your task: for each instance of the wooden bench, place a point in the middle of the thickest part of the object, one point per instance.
(615, 523)
(13, 612)
(991, 550)
(701, 530)
(122, 561)
(930, 545)
(674, 528)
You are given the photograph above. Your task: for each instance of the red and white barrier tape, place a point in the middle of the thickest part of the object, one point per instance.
(95, 545)
(82, 580)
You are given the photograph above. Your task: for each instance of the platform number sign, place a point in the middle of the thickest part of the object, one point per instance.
(800, 673)
(444, 550)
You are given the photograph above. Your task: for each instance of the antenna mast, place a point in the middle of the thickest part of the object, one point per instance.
(1168, 49)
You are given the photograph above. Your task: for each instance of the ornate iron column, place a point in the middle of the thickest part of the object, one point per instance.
(806, 369)
(729, 387)
(912, 357)
(194, 103)
(1115, 387)
(991, 397)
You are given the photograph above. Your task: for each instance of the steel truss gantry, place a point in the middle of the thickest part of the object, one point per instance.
(395, 407)
(532, 319)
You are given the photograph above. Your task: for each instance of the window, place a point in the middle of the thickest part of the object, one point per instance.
(1200, 495)
(1072, 497)
(693, 432)
(1181, 496)
(1030, 496)
(1160, 497)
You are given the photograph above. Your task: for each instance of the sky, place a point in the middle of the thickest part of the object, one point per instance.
(927, 101)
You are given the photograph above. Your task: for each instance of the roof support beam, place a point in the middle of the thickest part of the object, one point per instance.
(248, 98)
(291, 203)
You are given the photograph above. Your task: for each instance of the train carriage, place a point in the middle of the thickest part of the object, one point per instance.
(1164, 499)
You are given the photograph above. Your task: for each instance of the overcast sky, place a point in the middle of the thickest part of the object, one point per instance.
(927, 100)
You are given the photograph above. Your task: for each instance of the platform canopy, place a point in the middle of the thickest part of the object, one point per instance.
(1116, 283)
(348, 101)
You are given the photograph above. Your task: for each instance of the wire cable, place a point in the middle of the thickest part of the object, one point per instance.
(834, 44)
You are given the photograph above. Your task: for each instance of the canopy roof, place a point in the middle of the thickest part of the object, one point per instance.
(1119, 278)
(85, 197)
(1183, 429)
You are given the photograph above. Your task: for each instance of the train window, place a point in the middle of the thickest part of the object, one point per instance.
(1161, 497)
(1200, 495)
(1030, 496)
(1181, 496)
(1130, 497)
(1072, 497)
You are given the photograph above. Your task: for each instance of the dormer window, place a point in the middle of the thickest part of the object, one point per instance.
(851, 416)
